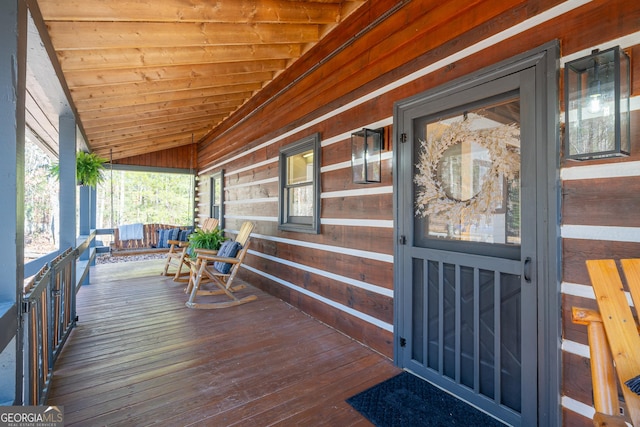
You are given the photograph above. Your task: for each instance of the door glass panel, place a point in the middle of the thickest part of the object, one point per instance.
(467, 178)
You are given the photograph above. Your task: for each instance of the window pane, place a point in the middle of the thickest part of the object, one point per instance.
(299, 172)
(216, 191)
(300, 168)
(301, 201)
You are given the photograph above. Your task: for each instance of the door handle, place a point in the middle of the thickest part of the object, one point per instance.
(527, 269)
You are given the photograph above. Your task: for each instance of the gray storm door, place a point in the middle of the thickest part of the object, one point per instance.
(467, 257)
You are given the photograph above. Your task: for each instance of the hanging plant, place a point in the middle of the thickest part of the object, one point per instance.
(89, 169)
(432, 198)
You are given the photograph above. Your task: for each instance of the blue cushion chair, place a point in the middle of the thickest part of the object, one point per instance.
(177, 240)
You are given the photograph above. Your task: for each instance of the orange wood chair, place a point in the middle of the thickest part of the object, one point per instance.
(177, 256)
(207, 270)
(614, 340)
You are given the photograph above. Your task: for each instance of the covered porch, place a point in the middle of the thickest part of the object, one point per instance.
(138, 356)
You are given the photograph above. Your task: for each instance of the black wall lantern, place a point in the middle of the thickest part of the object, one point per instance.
(366, 155)
(597, 105)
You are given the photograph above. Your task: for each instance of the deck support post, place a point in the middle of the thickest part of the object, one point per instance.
(67, 153)
(13, 55)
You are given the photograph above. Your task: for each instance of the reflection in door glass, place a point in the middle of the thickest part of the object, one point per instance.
(468, 176)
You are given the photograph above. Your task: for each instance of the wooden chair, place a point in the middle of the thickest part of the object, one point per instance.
(614, 340)
(177, 256)
(207, 270)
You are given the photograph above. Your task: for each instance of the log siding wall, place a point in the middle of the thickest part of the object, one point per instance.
(344, 275)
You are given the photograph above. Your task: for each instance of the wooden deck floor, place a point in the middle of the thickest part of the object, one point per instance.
(139, 357)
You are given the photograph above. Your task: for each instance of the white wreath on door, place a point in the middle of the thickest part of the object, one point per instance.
(502, 142)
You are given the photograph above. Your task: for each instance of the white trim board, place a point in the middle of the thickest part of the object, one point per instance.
(336, 277)
(369, 319)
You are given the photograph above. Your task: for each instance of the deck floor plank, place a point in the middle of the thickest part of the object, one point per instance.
(138, 357)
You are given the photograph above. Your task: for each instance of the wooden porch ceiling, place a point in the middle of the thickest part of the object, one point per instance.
(138, 356)
(150, 75)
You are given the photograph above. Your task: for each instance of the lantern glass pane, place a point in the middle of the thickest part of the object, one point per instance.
(366, 155)
(625, 90)
(597, 123)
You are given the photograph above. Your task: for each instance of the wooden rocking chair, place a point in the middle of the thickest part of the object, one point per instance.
(220, 271)
(177, 256)
(614, 340)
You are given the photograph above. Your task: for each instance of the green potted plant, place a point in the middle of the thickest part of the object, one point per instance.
(89, 168)
(208, 240)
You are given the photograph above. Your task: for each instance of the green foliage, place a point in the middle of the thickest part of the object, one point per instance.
(40, 201)
(127, 197)
(89, 169)
(206, 240)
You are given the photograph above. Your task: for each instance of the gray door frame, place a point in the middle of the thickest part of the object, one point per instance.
(545, 61)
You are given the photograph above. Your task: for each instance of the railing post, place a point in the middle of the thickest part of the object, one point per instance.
(37, 367)
(63, 292)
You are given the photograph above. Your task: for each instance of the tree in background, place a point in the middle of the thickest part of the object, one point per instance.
(40, 201)
(138, 197)
(127, 197)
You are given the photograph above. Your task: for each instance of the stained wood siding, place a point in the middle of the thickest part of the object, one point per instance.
(344, 275)
(175, 158)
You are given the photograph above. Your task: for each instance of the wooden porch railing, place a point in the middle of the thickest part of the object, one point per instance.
(49, 316)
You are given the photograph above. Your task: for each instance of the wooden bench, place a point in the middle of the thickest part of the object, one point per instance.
(614, 339)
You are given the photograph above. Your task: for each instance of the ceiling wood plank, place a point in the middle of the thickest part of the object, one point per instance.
(118, 35)
(221, 101)
(139, 75)
(100, 132)
(104, 130)
(238, 11)
(147, 145)
(168, 85)
(184, 135)
(73, 60)
(154, 98)
(125, 117)
(157, 132)
(145, 75)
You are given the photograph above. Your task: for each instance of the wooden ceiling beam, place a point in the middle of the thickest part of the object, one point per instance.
(102, 59)
(94, 103)
(77, 79)
(119, 35)
(238, 11)
(160, 86)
